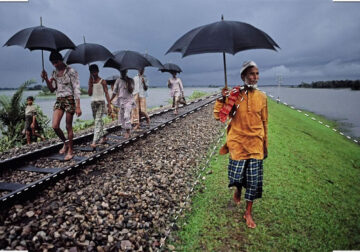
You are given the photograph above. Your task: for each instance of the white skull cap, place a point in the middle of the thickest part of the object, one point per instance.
(247, 64)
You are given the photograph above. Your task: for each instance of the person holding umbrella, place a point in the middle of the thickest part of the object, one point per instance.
(97, 90)
(140, 87)
(176, 89)
(247, 136)
(65, 82)
(124, 87)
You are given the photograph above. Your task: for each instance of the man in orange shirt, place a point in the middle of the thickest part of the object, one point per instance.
(246, 136)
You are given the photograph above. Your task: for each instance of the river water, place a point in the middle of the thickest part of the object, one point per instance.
(341, 105)
(156, 97)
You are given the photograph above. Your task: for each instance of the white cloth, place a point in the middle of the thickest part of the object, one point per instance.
(124, 97)
(139, 86)
(98, 92)
(176, 87)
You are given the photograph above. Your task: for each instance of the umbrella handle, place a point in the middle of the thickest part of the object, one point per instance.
(224, 58)
(42, 62)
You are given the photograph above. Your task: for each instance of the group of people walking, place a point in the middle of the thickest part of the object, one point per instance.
(128, 100)
(245, 106)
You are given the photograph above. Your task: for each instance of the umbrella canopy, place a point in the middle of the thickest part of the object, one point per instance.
(169, 67)
(154, 61)
(41, 38)
(223, 36)
(87, 53)
(124, 60)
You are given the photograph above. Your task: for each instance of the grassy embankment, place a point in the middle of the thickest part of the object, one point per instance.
(311, 196)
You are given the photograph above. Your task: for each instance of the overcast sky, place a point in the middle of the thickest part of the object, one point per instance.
(319, 39)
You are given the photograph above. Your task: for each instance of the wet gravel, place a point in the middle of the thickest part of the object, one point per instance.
(125, 201)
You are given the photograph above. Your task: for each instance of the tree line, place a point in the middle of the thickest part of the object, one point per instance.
(353, 84)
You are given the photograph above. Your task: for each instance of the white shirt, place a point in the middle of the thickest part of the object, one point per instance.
(139, 86)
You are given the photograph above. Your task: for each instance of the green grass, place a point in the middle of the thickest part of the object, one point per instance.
(311, 197)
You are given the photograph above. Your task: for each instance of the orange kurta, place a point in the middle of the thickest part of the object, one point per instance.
(247, 133)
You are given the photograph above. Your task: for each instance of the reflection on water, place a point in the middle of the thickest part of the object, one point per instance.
(341, 105)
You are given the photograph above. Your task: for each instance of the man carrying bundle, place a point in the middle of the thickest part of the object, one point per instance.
(246, 141)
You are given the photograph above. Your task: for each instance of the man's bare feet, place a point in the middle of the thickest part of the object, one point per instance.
(68, 156)
(126, 135)
(237, 196)
(137, 126)
(175, 112)
(103, 140)
(93, 145)
(249, 220)
(63, 149)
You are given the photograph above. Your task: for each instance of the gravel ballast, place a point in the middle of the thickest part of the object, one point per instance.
(125, 201)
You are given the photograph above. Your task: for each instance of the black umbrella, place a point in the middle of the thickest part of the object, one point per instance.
(223, 36)
(154, 61)
(124, 60)
(169, 67)
(41, 38)
(87, 53)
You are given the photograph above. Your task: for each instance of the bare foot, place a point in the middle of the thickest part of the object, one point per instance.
(137, 126)
(63, 149)
(237, 196)
(126, 135)
(93, 145)
(249, 221)
(175, 112)
(103, 140)
(68, 156)
(148, 120)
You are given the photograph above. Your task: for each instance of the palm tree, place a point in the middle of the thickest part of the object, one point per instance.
(12, 114)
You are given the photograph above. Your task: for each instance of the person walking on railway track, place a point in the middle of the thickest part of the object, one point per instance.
(141, 86)
(124, 86)
(247, 138)
(65, 83)
(98, 91)
(176, 90)
(31, 125)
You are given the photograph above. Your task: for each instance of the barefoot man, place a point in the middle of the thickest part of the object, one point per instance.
(246, 136)
(65, 81)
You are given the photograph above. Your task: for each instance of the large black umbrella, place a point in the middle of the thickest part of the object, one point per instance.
(87, 53)
(41, 38)
(170, 67)
(223, 36)
(124, 60)
(154, 61)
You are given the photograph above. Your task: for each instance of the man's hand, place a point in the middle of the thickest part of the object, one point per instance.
(44, 75)
(78, 111)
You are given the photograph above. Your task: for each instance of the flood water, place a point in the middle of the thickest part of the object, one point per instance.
(341, 105)
(156, 97)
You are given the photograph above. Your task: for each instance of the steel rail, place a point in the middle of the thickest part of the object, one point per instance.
(29, 190)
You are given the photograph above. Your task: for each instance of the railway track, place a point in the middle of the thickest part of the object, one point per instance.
(45, 166)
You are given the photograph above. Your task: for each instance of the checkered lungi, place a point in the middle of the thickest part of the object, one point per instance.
(249, 174)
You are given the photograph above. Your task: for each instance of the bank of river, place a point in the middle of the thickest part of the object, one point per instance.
(340, 105)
